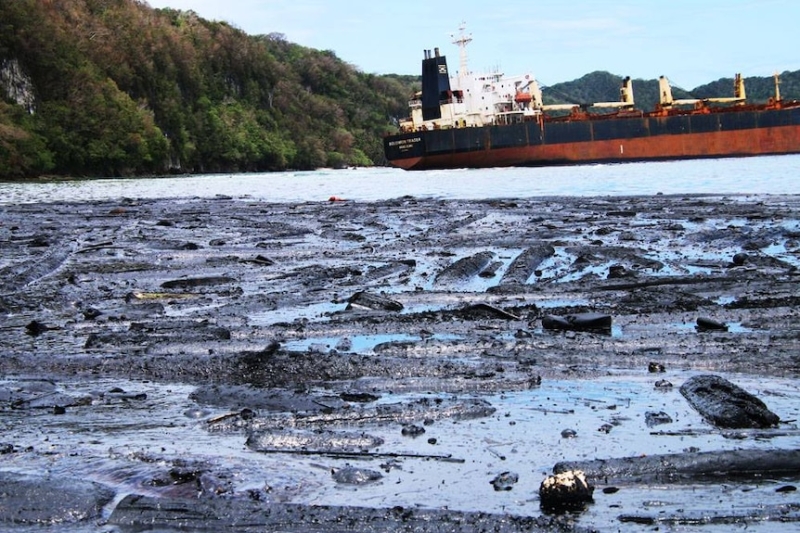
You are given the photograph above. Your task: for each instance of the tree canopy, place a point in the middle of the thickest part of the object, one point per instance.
(119, 88)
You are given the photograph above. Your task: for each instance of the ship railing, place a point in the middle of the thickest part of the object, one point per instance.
(725, 100)
(509, 117)
(559, 107)
(621, 105)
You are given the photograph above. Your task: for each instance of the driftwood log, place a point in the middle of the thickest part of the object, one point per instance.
(689, 466)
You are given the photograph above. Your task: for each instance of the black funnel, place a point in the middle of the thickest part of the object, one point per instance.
(435, 85)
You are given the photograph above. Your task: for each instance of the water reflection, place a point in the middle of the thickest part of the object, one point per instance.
(756, 175)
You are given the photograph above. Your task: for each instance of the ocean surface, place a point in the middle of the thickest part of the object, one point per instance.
(753, 175)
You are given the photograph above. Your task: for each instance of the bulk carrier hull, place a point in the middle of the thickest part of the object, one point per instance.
(475, 120)
(731, 133)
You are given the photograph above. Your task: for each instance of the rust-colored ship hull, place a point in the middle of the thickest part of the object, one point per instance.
(726, 132)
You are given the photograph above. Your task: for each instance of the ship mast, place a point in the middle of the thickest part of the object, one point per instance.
(462, 41)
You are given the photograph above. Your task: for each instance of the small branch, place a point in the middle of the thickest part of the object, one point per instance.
(108, 244)
(365, 455)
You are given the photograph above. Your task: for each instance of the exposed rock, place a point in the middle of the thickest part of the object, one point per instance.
(709, 324)
(351, 475)
(491, 270)
(412, 430)
(359, 397)
(740, 259)
(652, 418)
(524, 265)
(366, 300)
(17, 85)
(483, 311)
(578, 322)
(504, 481)
(188, 283)
(619, 271)
(565, 491)
(34, 328)
(465, 268)
(48, 500)
(725, 404)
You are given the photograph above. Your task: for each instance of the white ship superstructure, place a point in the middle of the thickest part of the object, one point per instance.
(478, 99)
(469, 99)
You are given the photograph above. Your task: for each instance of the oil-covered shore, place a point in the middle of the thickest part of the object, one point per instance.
(400, 365)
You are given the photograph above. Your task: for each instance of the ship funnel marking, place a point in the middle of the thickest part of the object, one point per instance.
(435, 86)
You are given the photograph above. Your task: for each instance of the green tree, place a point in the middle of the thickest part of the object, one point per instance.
(22, 151)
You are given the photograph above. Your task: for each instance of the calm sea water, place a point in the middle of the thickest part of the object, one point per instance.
(755, 175)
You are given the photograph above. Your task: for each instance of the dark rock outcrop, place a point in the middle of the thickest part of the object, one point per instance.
(43, 500)
(725, 404)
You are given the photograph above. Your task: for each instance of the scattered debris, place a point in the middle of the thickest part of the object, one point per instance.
(350, 475)
(578, 322)
(708, 324)
(652, 418)
(365, 300)
(504, 481)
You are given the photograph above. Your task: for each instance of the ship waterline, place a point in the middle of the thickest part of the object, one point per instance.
(730, 134)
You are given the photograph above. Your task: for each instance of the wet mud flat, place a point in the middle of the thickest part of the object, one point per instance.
(404, 365)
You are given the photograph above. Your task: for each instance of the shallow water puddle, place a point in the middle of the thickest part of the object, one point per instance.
(685, 328)
(359, 343)
(318, 311)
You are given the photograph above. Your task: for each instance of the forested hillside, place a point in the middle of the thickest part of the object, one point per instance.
(113, 87)
(116, 88)
(604, 87)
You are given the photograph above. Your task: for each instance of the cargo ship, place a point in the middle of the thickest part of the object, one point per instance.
(471, 120)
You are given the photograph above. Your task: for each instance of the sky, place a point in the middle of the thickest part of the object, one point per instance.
(692, 42)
